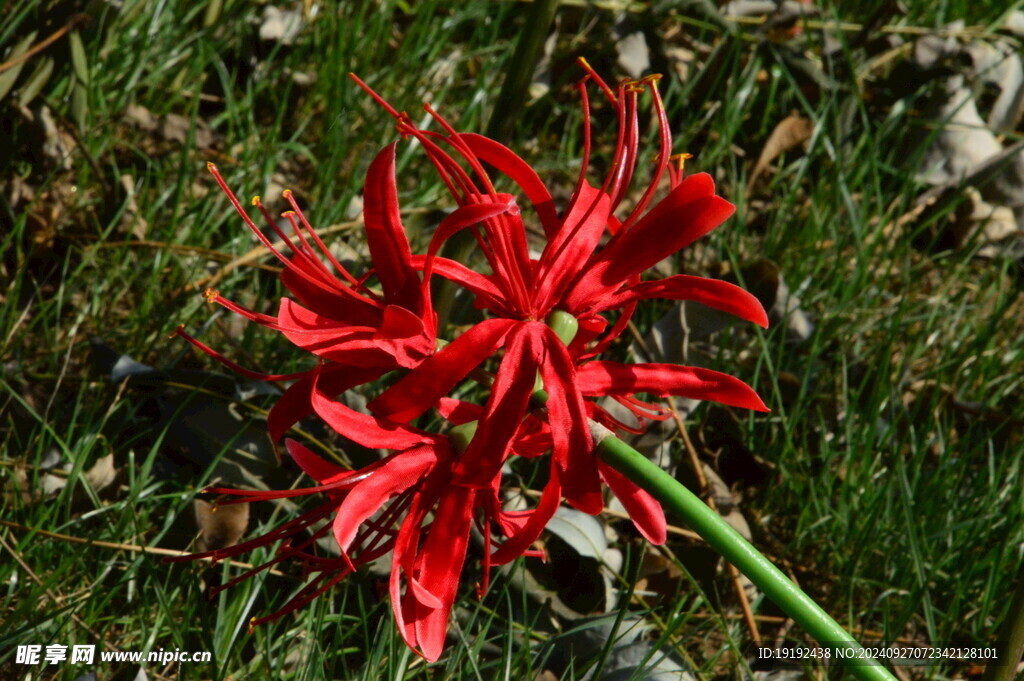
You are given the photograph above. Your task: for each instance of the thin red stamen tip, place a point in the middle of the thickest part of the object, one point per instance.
(652, 78)
(211, 167)
(287, 193)
(288, 214)
(211, 294)
(177, 332)
(256, 200)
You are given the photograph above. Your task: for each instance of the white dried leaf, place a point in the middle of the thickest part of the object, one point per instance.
(1001, 67)
(280, 25)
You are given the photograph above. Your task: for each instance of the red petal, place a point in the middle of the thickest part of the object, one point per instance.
(439, 565)
(463, 217)
(315, 467)
(536, 520)
(458, 412)
(338, 302)
(567, 415)
(520, 172)
(357, 345)
(646, 513)
(690, 211)
(604, 378)
(506, 406)
(385, 234)
(363, 429)
(573, 245)
(403, 336)
(424, 386)
(487, 294)
(396, 475)
(294, 404)
(720, 295)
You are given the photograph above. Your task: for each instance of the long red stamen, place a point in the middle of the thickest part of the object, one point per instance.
(307, 254)
(665, 147)
(597, 79)
(624, 176)
(290, 198)
(248, 373)
(585, 162)
(266, 242)
(380, 100)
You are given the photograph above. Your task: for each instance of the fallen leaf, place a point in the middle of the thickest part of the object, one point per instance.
(141, 117)
(765, 281)
(791, 131)
(999, 66)
(175, 128)
(131, 221)
(279, 25)
(634, 56)
(993, 229)
(219, 526)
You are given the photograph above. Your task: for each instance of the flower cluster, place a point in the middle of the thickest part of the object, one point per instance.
(547, 321)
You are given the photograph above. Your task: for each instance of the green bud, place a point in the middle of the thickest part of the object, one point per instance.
(462, 435)
(563, 324)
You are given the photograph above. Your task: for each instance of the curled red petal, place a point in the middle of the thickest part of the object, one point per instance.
(294, 405)
(364, 429)
(439, 565)
(315, 467)
(572, 445)
(526, 526)
(505, 408)
(488, 295)
(420, 390)
(646, 514)
(600, 378)
(578, 236)
(458, 412)
(520, 172)
(690, 211)
(385, 234)
(720, 295)
(394, 476)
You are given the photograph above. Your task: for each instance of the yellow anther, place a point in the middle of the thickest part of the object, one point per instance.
(211, 167)
(177, 331)
(210, 294)
(680, 159)
(652, 78)
(287, 193)
(288, 214)
(256, 200)
(584, 63)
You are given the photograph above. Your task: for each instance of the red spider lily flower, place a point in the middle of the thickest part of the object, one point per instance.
(338, 317)
(575, 279)
(419, 502)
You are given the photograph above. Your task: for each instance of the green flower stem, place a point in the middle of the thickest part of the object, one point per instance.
(678, 500)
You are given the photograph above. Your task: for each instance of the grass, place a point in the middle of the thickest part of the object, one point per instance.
(893, 449)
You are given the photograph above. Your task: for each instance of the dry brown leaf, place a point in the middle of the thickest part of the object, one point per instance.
(131, 221)
(791, 131)
(992, 227)
(220, 526)
(175, 128)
